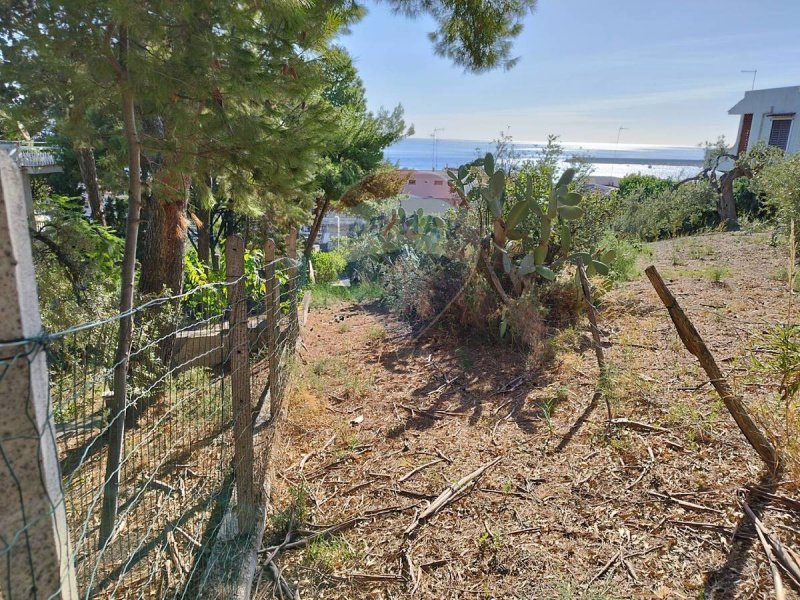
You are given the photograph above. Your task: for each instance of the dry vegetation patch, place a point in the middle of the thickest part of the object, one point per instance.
(570, 510)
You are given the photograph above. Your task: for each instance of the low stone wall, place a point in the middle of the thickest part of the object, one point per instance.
(210, 347)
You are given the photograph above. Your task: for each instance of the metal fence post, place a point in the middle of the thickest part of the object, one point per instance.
(244, 464)
(37, 561)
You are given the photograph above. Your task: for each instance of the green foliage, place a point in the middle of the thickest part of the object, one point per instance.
(328, 265)
(423, 233)
(599, 212)
(529, 212)
(686, 209)
(208, 299)
(775, 366)
(716, 273)
(643, 186)
(76, 261)
(325, 295)
(749, 201)
(475, 35)
(780, 183)
(356, 152)
(623, 255)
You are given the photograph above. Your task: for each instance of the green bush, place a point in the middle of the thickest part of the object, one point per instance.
(648, 186)
(328, 265)
(780, 182)
(626, 251)
(749, 200)
(689, 208)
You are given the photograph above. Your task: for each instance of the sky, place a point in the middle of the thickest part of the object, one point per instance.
(666, 70)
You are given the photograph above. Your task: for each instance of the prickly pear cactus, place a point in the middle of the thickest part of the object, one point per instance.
(511, 217)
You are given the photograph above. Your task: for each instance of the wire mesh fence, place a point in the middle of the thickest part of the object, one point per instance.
(194, 357)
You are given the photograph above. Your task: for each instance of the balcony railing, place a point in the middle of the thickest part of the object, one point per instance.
(35, 155)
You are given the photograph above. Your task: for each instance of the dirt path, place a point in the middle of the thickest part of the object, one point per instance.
(567, 512)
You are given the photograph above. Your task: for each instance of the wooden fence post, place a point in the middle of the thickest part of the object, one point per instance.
(695, 344)
(243, 457)
(272, 305)
(291, 253)
(34, 538)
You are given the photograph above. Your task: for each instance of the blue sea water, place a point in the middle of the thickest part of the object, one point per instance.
(606, 159)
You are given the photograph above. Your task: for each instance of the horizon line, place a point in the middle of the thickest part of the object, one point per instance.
(542, 142)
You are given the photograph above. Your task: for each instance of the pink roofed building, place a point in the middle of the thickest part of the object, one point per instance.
(429, 190)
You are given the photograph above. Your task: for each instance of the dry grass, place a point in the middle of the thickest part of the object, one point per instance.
(567, 495)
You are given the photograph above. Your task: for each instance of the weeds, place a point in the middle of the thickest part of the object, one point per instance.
(330, 553)
(324, 295)
(775, 366)
(376, 333)
(717, 274)
(296, 511)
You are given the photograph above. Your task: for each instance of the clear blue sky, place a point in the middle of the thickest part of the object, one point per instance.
(666, 69)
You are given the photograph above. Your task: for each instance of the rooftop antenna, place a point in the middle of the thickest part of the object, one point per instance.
(433, 135)
(616, 148)
(754, 72)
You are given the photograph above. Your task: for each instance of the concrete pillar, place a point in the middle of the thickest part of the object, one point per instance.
(27, 192)
(35, 557)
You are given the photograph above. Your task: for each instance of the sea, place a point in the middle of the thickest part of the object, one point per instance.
(606, 160)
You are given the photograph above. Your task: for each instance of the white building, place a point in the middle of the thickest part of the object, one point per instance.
(768, 115)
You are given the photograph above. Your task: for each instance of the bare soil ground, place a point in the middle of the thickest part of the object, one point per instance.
(568, 511)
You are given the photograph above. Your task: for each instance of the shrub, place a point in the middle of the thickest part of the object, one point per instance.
(749, 200)
(625, 252)
(775, 367)
(328, 265)
(686, 209)
(647, 186)
(523, 323)
(780, 182)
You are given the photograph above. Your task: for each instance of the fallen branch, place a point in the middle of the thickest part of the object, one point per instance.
(777, 552)
(305, 458)
(773, 566)
(685, 504)
(695, 344)
(637, 425)
(448, 495)
(413, 472)
(432, 412)
(305, 541)
(283, 588)
(603, 570)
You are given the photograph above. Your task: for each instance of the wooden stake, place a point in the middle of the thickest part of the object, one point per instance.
(244, 464)
(695, 344)
(272, 309)
(598, 348)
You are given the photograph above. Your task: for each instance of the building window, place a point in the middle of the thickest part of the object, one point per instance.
(438, 182)
(412, 182)
(779, 134)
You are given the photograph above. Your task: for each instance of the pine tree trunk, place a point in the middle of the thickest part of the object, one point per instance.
(88, 169)
(319, 214)
(116, 431)
(165, 241)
